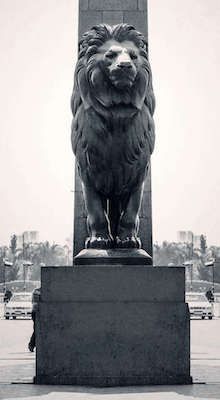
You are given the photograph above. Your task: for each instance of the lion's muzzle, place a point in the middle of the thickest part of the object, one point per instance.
(122, 69)
(123, 76)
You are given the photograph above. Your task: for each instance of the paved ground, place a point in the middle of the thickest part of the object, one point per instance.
(17, 366)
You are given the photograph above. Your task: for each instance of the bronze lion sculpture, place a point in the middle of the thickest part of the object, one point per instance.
(113, 131)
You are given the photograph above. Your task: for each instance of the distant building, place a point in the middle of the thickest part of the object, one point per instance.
(197, 241)
(185, 236)
(19, 241)
(27, 237)
(189, 237)
(31, 236)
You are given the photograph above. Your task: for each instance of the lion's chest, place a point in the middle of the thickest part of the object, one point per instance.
(115, 160)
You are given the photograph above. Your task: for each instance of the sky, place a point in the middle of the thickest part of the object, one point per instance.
(38, 42)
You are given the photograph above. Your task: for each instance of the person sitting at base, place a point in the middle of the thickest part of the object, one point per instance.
(35, 301)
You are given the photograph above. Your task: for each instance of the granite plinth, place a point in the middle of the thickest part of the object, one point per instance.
(112, 284)
(113, 326)
(112, 257)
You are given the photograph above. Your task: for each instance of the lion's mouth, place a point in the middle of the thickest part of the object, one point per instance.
(122, 79)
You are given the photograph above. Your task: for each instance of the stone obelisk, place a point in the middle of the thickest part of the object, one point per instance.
(92, 12)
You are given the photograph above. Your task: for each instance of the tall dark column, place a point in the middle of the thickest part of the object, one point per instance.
(92, 12)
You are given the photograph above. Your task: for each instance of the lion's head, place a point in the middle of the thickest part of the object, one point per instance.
(119, 62)
(113, 70)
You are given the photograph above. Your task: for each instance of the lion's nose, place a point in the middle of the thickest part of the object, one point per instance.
(124, 64)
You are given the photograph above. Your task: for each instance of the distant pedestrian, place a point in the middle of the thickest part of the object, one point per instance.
(7, 295)
(35, 301)
(210, 295)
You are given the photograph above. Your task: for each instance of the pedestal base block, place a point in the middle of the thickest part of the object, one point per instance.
(113, 257)
(112, 339)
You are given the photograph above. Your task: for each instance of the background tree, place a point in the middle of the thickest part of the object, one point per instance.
(203, 244)
(3, 255)
(12, 272)
(170, 253)
(46, 254)
(13, 245)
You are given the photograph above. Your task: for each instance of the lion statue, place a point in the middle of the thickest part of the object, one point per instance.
(113, 131)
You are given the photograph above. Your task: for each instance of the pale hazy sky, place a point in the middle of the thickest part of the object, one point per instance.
(38, 51)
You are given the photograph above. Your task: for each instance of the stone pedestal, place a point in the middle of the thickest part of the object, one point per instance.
(113, 325)
(113, 257)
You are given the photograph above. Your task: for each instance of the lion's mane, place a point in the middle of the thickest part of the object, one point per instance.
(112, 129)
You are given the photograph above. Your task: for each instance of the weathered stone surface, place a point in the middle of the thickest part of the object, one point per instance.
(114, 5)
(137, 19)
(87, 19)
(110, 344)
(147, 183)
(113, 257)
(113, 283)
(142, 5)
(79, 234)
(83, 4)
(112, 17)
(81, 212)
(146, 234)
(145, 206)
(108, 326)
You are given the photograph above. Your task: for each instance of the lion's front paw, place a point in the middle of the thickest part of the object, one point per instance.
(98, 242)
(128, 243)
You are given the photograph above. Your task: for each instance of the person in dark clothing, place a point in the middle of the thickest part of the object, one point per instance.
(35, 301)
(7, 295)
(210, 296)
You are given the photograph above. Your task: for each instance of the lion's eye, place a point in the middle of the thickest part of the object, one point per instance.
(110, 55)
(133, 56)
